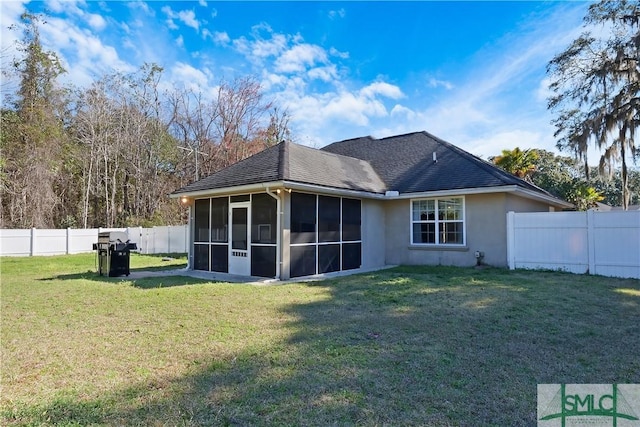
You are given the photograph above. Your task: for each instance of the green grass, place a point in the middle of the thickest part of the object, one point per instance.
(408, 346)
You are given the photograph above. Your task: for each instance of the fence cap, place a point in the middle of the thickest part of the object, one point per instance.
(114, 236)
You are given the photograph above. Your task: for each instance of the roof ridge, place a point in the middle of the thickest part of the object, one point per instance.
(353, 139)
(402, 135)
(283, 160)
(330, 153)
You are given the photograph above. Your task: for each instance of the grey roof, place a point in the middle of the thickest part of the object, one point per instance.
(295, 163)
(402, 163)
(405, 163)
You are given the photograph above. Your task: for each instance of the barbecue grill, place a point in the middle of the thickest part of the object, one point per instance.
(114, 249)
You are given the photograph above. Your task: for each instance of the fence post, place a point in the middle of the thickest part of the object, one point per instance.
(139, 239)
(186, 240)
(591, 241)
(511, 250)
(68, 240)
(33, 241)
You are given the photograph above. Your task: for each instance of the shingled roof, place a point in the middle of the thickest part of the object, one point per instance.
(405, 163)
(402, 163)
(294, 163)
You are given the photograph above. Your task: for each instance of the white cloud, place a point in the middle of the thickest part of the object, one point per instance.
(335, 52)
(188, 17)
(543, 92)
(189, 77)
(325, 74)
(340, 13)
(381, 88)
(202, 3)
(141, 5)
(180, 41)
(83, 54)
(299, 57)
(260, 48)
(68, 6)
(96, 22)
(322, 117)
(433, 82)
(221, 38)
(402, 112)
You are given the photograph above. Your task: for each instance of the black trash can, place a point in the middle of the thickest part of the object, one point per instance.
(114, 253)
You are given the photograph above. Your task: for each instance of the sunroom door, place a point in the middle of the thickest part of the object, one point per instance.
(239, 255)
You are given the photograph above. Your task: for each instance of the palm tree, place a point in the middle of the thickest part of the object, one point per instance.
(517, 162)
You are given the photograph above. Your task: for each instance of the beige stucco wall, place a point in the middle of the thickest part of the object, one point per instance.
(373, 235)
(486, 231)
(285, 218)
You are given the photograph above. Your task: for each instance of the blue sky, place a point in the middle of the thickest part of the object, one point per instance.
(472, 73)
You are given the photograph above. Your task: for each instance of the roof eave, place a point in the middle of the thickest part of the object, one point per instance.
(313, 188)
(273, 185)
(535, 195)
(523, 192)
(236, 189)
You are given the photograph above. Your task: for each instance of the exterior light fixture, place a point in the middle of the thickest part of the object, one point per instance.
(184, 200)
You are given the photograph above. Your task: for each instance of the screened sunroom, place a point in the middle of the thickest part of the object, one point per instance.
(245, 235)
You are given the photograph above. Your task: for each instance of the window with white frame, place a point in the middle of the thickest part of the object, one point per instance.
(437, 221)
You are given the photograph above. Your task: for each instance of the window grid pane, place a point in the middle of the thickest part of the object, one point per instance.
(450, 209)
(451, 233)
(424, 210)
(424, 233)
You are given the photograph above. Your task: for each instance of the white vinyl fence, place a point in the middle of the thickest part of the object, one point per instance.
(603, 243)
(29, 242)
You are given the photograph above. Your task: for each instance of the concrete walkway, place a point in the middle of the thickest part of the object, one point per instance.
(205, 275)
(232, 278)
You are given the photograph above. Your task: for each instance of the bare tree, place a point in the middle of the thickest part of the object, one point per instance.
(217, 131)
(129, 155)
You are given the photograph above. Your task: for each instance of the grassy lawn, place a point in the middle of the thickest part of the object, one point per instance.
(408, 346)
